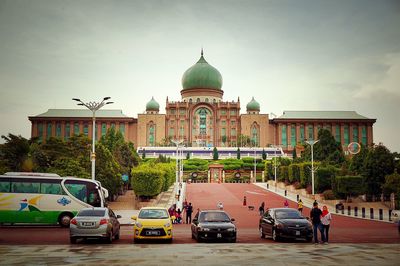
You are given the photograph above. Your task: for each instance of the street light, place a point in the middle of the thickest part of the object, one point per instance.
(255, 165)
(311, 143)
(93, 106)
(177, 143)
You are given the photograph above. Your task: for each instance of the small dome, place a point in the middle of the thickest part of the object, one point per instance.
(202, 76)
(152, 105)
(253, 105)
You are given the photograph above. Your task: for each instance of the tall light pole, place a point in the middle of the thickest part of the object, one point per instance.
(177, 143)
(93, 106)
(311, 143)
(255, 165)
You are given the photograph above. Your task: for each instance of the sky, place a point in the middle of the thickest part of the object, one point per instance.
(290, 55)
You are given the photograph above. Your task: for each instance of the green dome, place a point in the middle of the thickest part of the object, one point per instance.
(202, 76)
(253, 105)
(152, 105)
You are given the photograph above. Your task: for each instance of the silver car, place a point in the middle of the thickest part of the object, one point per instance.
(95, 223)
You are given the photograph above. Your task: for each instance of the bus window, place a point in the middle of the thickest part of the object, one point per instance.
(78, 190)
(51, 188)
(25, 187)
(5, 186)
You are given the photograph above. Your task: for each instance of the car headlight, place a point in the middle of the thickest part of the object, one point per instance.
(233, 229)
(168, 224)
(138, 225)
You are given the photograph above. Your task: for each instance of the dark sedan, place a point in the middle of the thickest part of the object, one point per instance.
(285, 223)
(213, 225)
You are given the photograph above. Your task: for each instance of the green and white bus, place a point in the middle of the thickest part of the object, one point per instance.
(39, 198)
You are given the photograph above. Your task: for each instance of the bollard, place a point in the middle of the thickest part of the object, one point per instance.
(244, 201)
(285, 192)
(371, 213)
(267, 186)
(380, 214)
(356, 211)
(390, 215)
(363, 212)
(348, 210)
(297, 197)
(336, 208)
(342, 209)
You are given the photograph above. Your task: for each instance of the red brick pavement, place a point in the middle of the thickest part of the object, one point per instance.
(343, 229)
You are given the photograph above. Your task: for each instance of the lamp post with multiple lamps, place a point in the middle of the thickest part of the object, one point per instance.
(93, 106)
(177, 143)
(311, 143)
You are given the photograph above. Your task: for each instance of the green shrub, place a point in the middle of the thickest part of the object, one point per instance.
(294, 173)
(283, 174)
(328, 194)
(147, 180)
(344, 186)
(324, 177)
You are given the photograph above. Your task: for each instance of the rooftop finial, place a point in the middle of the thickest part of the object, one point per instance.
(201, 51)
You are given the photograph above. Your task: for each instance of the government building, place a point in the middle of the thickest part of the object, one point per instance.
(202, 118)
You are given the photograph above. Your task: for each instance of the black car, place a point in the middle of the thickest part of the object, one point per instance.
(213, 225)
(285, 223)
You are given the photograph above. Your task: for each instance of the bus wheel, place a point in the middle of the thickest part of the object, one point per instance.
(64, 219)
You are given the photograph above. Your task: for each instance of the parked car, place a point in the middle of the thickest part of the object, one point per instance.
(95, 222)
(213, 225)
(285, 223)
(152, 223)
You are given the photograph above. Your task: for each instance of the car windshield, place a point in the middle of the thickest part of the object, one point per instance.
(213, 217)
(94, 213)
(288, 214)
(153, 214)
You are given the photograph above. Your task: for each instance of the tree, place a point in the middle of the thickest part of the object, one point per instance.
(238, 153)
(264, 154)
(294, 154)
(358, 160)
(326, 150)
(392, 185)
(215, 154)
(243, 141)
(378, 164)
(14, 152)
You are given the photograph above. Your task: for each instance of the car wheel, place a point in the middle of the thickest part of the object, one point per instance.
(64, 219)
(262, 235)
(135, 240)
(233, 240)
(170, 240)
(117, 235)
(193, 237)
(109, 238)
(309, 239)
(274, 235)
(72, 240)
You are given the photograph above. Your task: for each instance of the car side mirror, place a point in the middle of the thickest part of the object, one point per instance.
(119, 216)
(233, 219)
(194, 221)
(134, 217)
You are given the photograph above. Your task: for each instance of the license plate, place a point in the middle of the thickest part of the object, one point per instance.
(297, 233)
(87, 224)
(152, 233)
(219, 235)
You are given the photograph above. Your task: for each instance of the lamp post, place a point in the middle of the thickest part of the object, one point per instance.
(93, 106)
(311, 143)
(177, 143)
(255, 165)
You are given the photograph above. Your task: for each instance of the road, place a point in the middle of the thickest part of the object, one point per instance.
(206, 196)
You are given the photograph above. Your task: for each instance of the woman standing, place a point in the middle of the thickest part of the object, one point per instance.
(326, 219)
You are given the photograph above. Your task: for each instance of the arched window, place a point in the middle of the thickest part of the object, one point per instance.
(190, 100)
(198, 100)
(254, 135)
(151, 134)
(206, 100)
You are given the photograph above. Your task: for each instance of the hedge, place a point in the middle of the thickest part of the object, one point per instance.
(348, 186)
(147, 180)
(294, 173)
(324, 177)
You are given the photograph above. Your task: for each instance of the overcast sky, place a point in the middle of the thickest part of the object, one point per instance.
(289, 55)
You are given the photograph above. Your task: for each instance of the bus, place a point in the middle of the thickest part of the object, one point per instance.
(41, 198)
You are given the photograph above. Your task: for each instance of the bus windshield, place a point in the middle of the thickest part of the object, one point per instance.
(87, 192)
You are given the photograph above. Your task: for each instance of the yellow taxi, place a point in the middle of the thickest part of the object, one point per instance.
(152, 223)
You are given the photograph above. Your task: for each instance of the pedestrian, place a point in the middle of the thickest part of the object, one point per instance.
(326, 219)
(300, 206)
(189, 211)
(286, 204)
(261, 209)
(220, 206)
(178, 216)
(315, 216)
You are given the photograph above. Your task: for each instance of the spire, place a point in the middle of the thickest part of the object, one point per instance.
(202, 51)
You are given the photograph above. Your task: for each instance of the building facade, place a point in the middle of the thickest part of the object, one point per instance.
(202, 118)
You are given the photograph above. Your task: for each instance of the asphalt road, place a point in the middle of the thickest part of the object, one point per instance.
(206, 196)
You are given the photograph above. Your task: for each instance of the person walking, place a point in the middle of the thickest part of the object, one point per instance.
(286, 203)
(261, 209)
(220, 206)
(326, 219)
(315, 216)
(300, 206)
(189, 211)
